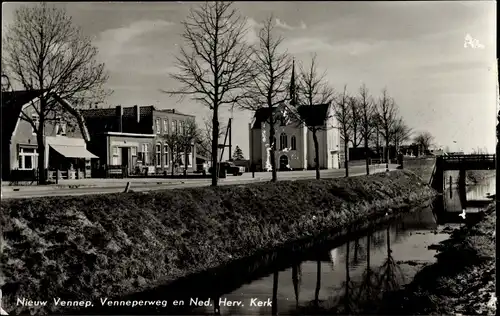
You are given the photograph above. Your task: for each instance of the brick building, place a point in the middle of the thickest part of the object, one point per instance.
(132, 139)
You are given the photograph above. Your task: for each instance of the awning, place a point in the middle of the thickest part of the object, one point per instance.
(73, 151)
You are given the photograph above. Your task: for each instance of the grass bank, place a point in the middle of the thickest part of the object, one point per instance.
(422, 167)
(460, 282)
(89, 247)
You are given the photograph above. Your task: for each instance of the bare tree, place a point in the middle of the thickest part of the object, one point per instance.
(205, 136)
(424, 140)
(355, 122)
(269, 86)
(44, 51)
(401, 133)
(173, 143)
(215, 63)
(343, 117)
(367, 124)
(313, 92)
(188, 138)
(6, 85)
(387, 116)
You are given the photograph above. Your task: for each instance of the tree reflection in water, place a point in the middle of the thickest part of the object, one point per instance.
(362, 296)
(275, 293)
(390, 274)
(296, 279)
(318, 283)
(368, 286)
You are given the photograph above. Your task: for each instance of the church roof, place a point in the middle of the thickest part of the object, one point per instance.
(315, 115)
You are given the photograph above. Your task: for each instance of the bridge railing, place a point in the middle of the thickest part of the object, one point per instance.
(468, 158)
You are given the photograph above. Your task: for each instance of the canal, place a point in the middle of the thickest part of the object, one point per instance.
(344, 276)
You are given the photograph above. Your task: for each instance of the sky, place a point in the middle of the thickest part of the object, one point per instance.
(414, 49)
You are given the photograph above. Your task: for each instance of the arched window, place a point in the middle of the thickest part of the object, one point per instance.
(158, 155)
(293, 143)
(283, 141)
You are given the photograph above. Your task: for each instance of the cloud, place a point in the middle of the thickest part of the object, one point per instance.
(252, 28)
(283, 25)
(112, 42)
(320, 44)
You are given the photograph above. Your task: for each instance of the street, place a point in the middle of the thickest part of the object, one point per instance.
(140, 185)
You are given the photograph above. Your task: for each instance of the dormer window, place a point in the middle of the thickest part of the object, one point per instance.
(36, 122)
(60, 127)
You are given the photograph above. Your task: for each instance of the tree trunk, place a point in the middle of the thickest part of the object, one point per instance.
(215, 143)
(42, 179)
(316, 152)
(387, 151)
(346, 157)
(172, 162)
(186, 155)
(367, 156)
(272, 151)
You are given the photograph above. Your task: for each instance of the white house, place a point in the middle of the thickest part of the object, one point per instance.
(294, 141)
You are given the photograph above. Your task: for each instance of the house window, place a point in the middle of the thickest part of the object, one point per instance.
(191, 157)
(28, 158)
(36, 122)
(143, 154)
(158, 127)
(115, 160)
(181, 127)
(165, 155)
(293, 143)
(283, 141)
(174, 127)
(165, 126)
(158, 155)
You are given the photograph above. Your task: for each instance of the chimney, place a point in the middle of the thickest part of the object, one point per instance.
(173, 111)
(119, 118)
(137, 113)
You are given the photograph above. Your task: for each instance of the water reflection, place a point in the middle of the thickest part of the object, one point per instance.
(472, 198)
(346, 279)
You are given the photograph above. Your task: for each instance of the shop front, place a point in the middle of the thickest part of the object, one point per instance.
(67, 158)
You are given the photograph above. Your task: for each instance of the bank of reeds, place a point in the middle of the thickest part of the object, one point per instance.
(89, 247)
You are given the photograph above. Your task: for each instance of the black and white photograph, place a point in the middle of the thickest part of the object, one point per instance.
(249, 158)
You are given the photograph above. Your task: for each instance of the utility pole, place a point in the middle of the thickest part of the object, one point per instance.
(230, 146)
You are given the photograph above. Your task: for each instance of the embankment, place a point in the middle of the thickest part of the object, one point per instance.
(422, 167)
(460, 282)
(90, 247)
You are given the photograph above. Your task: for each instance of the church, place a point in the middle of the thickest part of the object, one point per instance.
(294, 140)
